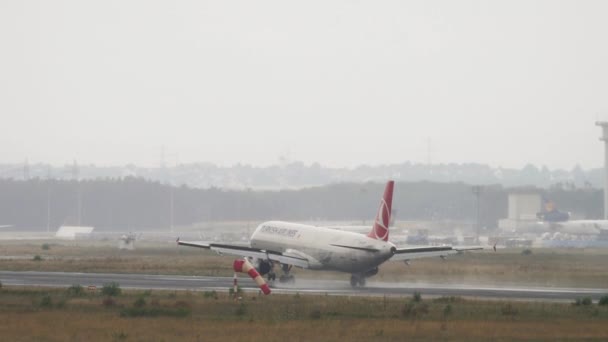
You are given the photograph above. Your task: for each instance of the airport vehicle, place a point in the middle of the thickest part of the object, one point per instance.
(127, 241)
(320, 248)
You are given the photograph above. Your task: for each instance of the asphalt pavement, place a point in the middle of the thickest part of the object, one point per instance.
(329, 287)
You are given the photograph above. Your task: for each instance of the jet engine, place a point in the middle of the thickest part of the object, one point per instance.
(371, 273)
(263, 266)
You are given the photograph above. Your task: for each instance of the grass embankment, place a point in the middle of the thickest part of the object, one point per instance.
(544, 267)
(64, 315)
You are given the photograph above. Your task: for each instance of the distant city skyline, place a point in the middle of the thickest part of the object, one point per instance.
(280, 160)
(340, 83)
(298, 175)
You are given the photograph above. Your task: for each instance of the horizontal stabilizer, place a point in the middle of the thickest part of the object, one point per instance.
(375, 250)
(410, 253)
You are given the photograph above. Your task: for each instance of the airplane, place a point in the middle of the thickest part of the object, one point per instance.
(551, 214)
(320, 248)
(559, 221)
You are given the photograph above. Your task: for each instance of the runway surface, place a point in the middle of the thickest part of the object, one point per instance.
(330, 287)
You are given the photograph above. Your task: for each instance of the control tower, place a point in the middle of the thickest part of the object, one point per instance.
(604, 138)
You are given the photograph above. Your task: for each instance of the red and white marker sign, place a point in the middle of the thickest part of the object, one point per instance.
(244, 266)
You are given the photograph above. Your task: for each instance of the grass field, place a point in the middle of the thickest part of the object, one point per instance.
(29, 314)
(34, 314)
(544, 267)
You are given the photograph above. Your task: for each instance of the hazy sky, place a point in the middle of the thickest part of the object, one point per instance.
(341, 83)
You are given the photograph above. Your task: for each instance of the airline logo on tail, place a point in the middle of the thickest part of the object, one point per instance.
(383, 218)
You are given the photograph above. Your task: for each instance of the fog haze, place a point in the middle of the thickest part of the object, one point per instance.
(341, 83)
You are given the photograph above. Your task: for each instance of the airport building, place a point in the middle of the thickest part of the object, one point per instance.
(523, 207)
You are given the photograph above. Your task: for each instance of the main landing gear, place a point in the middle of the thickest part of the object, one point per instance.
(286, 278)
(357, 280)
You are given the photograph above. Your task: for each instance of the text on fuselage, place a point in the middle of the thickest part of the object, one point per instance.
(279, 231)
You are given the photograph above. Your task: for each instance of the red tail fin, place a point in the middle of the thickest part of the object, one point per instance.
(383, 218)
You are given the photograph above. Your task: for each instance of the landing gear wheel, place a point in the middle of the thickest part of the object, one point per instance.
(357, 281)
(353, 281)
(362, 281)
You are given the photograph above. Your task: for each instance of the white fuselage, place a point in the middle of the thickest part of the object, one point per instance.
(574, 227)
(326, 249)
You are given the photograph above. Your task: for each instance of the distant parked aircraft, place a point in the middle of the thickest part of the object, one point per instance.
(559, 221)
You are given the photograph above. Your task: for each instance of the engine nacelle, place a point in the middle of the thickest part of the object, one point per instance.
(371, 272)
(263, 266)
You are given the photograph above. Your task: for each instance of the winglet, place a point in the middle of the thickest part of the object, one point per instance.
(383, 218)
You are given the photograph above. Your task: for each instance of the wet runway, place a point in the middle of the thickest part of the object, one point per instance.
(330, 287)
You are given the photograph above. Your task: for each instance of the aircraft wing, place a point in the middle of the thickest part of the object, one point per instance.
(245, 251)
(410, 253)
(467, 248)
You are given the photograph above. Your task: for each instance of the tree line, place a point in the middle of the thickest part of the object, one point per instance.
(135, 203)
